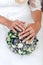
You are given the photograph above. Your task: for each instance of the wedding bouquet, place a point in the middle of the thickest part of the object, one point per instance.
(16, 45)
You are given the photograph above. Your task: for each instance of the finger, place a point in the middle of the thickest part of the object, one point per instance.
(23, 36)
(28, 26)
(23, 24)
(26, 34)
(20, 23)
(31, 31)
(28, 37)
(21, 27)
(27, 30)
(13, 30)
(17, 28)
(31, 40)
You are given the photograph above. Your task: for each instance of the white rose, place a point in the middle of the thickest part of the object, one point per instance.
(20, 45)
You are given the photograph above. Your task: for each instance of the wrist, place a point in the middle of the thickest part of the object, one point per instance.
(4, 21)
(8, 23)
(38, 24)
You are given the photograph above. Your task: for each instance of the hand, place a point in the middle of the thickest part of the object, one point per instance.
(30, 32)
(16, 25)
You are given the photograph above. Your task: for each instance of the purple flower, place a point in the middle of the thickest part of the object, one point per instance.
(15, 40)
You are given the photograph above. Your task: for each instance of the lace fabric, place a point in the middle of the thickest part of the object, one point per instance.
(35, 5)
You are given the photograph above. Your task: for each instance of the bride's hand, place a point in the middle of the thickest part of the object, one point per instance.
(30, 32)
(16, 25)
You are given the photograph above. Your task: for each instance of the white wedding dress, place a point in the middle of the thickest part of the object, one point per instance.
(12, 10)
